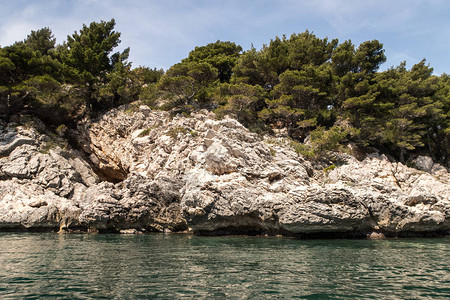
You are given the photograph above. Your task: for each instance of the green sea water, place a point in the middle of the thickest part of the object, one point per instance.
(173, 266)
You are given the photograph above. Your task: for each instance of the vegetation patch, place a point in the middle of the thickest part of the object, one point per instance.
(328, 169)
(132, 108)
(175, 131)
(274, 141)
(61, 129)
(145, 132)
(53, 142)
(272, 151)
(302, 149)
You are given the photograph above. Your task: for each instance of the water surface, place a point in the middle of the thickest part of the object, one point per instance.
(168, 266)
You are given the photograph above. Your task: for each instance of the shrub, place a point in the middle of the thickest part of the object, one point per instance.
(145, 132)
(328, 169)
(61, 130)
(302, 149)
(173, 132)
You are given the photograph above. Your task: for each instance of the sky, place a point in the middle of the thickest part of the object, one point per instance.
(161, 33)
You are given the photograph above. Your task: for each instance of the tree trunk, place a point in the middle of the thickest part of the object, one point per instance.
(8, 108)
(402, 155)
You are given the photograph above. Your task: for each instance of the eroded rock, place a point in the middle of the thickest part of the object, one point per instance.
(154, 173)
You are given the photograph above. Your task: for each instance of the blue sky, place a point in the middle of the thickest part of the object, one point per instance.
(162, 32)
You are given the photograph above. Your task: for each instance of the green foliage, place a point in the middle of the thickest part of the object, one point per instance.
(241, 101)
(144, 75)
(329, 169)
(298, 147)
(145, 132)
(302, 149)
(440, 131)
(368, 57)
(87, 52)
(53, 142)
(141, 83)
(62, 83)
(354, 69)
(247, 69)
(88, 61)
(272, 151)
(149, 95)
(45, 149)
(41, 40)
(220, 55)
(175, 131)
(187, 80)
(265, 66)
(416, 116)
(298, 100)
(28, 72)
(132, 108)
(323, 139)
(61, 129)
(312, 84)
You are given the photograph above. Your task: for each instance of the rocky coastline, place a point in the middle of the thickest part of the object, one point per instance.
(135, 170)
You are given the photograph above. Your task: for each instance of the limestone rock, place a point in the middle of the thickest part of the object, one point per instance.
(144, 171)
(11, 138)
(376, 236)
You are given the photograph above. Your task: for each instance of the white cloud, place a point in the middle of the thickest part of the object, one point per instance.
(14, 32)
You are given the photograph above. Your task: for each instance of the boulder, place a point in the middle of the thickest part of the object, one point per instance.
(424, 163)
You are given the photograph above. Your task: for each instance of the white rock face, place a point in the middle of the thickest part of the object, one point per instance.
(211, 177)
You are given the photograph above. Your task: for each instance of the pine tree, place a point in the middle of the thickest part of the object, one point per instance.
(221, 55)
(88, 60)
(186, 80)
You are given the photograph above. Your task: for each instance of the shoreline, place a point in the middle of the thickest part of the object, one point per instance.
(224, 233)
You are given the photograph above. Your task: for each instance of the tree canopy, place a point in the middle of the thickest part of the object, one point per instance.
(316, 90)
(62, 83)
(221, 55)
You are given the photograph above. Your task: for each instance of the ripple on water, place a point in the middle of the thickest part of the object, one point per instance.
(183, 266)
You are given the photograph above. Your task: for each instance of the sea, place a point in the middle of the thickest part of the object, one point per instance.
(184, 266)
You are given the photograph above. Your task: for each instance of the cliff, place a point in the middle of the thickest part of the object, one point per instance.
(144, 171)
